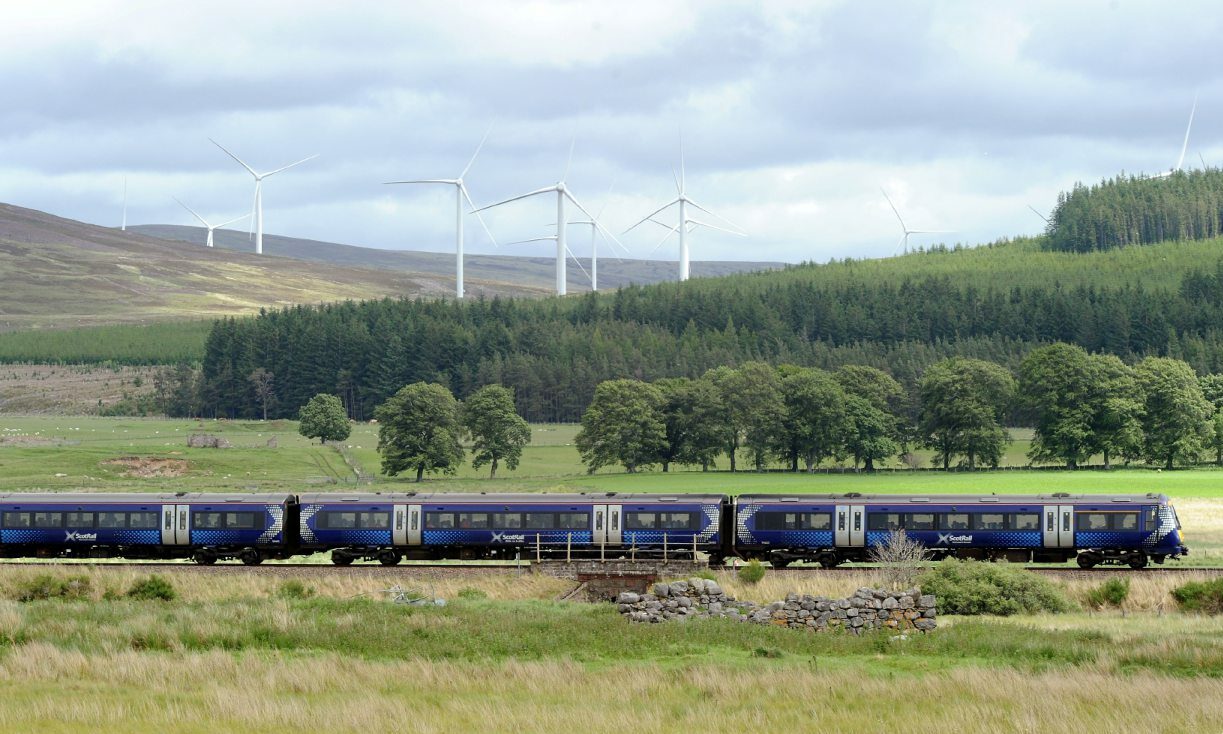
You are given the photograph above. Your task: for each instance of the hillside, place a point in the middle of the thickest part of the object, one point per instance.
(530, 272)
(60, 272)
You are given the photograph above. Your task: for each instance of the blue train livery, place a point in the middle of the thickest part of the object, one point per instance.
(206, 527)
(832, 529)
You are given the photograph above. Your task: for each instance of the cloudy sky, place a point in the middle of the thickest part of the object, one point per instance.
(793, 114)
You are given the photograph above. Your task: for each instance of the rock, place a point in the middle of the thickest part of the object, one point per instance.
(906, 602)
(628, 597)
(712, 588)
(684, 602)
(890, 603)
(929, 613)
(662, 590)
(926, 600)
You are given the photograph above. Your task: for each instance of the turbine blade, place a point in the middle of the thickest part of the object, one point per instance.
(451, 181)
(475, 211)
(478, 147)
(577, 262)
(682, 180)
(285, 168)
(549, 238)
(1203, 160)
(894, 210)
(236, 158)
(597, 225)
(1185, 145)
(235, 219)
(516, 198)
(651, 215)
(675, 177)
(606, 200)
(904, 238)
(719, 216)
(193, 212)
(665, 237)
(1042, 216)
(699, 223)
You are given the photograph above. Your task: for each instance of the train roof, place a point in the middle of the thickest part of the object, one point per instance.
(959, 499)
(521, 497)
(156, 498)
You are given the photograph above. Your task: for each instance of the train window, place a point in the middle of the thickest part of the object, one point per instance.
(208, 521)
(989, 521)
(953, 521)
(242, 520)
(776, 520)
(883, 521)
(573, 520)
(640, 520)
(857, 520)
(1051, 527)
(16, 519)
(599, 520)
(920, 521)
(1152, 518)
(473, 520)
(539, 520)
(142, 520)
(169, 521)
(415, 519)
(78, 520)
(1125, 521)
(677, 521)
(1066, 522)
(1093, 521)
(511, 520)
(48, 519)
(814, 521)
(439, 521)
(841, 520)
(399, 520)
(1025, 521)
(336, 521)
(374, 520)
(119, 520)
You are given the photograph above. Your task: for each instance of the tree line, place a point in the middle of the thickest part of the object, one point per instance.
(554, 352)
(1084, 405)
(1128, 210)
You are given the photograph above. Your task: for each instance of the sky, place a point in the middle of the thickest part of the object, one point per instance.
(793, 116)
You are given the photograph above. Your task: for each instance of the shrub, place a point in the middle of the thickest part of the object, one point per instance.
(1111, 593)
(46, 586)
(1204, 597)
(294, 589)
(706, 574)
(468, 592)
(752, 573)
(153, 588)
(975, 587)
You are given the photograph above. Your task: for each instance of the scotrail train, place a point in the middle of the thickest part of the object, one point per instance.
(825, 529)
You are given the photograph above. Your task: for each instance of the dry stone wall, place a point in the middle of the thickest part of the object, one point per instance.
(867, 609)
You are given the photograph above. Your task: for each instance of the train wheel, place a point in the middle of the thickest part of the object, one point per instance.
(830, 562)
(205, 559)
(780, 563)
(1137, 561)
(250, 557)
(389, 558)
(1088, 560)
(341, 559)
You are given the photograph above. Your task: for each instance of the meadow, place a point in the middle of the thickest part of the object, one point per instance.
(240, 653)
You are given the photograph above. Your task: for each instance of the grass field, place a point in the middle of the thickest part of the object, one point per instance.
(237, 654)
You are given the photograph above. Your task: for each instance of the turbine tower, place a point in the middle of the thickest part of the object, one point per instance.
(257, 206)
(904, 238)
(204, 222)
(686, 223)
(460, 193)
(123, 227)
(562, 194)
(594, 242)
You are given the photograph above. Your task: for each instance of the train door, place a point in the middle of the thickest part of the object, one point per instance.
(850, 524)
(399, 525)
(613, 525)
(413, 537)
(598, 525)
(175, 524)
(1058, 526)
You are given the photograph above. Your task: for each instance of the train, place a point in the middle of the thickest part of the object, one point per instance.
(824, 529)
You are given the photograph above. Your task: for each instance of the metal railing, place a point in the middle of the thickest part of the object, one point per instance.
(668, 547)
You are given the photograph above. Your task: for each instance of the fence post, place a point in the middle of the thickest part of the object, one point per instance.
(694, 547)
(569, 548)
(633, 550)
(538, 555)
(664, 546)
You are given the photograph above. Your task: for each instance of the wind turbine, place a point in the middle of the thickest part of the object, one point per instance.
(210, 227)
(123, 227)
(904, 238)
(257, 206)
(593, 223)
(1185, 145)
(460, 193)
(686, 223)
(562, 193)
(1042, 216)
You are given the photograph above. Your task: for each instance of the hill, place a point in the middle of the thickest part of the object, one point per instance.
(530, 272)
(61, 272)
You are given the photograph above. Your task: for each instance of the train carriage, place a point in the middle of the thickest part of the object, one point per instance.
(391, 527)
(831, 529)
(206, 527)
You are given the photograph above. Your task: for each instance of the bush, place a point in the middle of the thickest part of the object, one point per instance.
(468, 592)
(975, 587)
(46, 586)
(154, 588)
(1111, 593)
(1203, 597)
(294, 589)
(752, 573)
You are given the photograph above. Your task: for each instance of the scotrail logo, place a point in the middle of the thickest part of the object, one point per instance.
(948, 539)
(75, 536)
(503, 537)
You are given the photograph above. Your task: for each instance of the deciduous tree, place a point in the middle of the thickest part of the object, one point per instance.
(498, 433)
(623, 425)
(324, 418)
(419, 429)
(963, 402)
(1175, 411)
